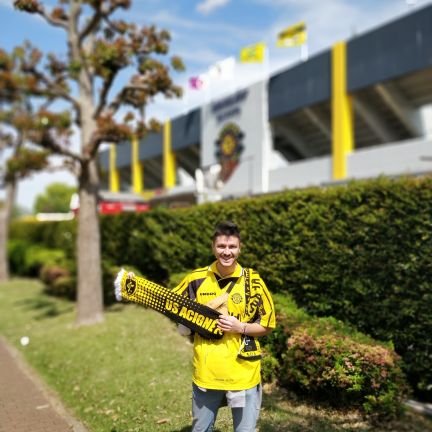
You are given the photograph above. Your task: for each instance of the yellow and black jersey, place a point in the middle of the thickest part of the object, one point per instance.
(216, 363)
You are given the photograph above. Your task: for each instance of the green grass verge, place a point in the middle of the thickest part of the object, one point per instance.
(133, 372)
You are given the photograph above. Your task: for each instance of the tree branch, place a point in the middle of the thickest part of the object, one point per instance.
(91, 25)
(50, 143)
(40, 10)
(100, 14)
(103, 96)
(119, 98)
(52, 88)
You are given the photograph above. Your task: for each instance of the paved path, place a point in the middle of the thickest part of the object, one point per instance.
(26, 404)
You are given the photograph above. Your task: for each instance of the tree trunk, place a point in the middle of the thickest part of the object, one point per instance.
(5, 215)
(90, 294)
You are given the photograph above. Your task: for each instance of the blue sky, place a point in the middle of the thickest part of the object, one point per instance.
(207, 31)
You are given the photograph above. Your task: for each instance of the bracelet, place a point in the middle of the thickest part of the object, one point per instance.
(244, 329)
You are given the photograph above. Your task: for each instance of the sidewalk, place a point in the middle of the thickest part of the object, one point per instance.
(26, 404)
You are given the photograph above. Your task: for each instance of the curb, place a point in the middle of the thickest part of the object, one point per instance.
(53, 399)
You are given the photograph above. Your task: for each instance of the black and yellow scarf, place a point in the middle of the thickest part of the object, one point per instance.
(196, 316)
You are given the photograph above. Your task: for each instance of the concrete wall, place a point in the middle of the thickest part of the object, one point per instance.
(310, 172)
(390, 159)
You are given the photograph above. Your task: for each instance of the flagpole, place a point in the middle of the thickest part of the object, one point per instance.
(186, 100)
(293, 36)
(304, 51)
(266, 62)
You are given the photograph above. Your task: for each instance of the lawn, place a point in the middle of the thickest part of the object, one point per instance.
(132, 373)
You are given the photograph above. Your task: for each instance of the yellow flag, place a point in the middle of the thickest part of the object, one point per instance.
(253, 53)
(292, 36)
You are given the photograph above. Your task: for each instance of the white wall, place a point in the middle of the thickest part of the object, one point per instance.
(400, 158)
(310, 172)
(391, 159)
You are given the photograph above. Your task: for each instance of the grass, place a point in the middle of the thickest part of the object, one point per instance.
(133, 372)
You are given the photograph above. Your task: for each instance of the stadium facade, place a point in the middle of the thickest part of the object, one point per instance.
(361, 109)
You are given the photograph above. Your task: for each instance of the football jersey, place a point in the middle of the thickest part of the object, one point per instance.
(216, 364)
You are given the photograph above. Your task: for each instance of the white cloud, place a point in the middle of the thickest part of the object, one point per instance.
(223, 30)
(208, 6)
(6, 3)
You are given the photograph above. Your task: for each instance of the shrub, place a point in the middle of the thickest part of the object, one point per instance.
(16, 253)
(345, 372)
(49, 273)
(328, 360)
(59, 279)
(269, 367)
(358, 252)
(38, 256)
(64, 286)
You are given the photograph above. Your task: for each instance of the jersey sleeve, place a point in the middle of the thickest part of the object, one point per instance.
(182, 287)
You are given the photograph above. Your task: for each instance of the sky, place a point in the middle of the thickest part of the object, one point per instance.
(208, 31)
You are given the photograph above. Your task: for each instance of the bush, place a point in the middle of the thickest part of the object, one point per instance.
(49, 273)
(109, 274)
(344, 372)
(269, 368)
(16, 253)
(64, 286)
(51, 235)
(325, 359)
(38, 256)
(59, 279)
(358, 252)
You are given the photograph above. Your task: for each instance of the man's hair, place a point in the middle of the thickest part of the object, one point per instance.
(226, 228)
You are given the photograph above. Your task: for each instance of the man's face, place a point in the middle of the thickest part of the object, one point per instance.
(226, 250)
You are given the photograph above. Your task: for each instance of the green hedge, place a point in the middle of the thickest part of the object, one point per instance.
(326, 360)
(52, 235)
(27, 259)
(359, 252)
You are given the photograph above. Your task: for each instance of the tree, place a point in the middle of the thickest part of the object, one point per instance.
(55, 199)
(19, 124)
(99, 49)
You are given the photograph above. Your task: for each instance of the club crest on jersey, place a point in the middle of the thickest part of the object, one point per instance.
(236, 298)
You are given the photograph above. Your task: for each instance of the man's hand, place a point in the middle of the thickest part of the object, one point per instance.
(230, 324)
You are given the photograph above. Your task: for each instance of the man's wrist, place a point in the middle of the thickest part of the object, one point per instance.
(244, 328)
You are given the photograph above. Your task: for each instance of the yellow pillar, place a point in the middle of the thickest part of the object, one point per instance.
(114, 174)
(342, 114)
(169, 165)
(137, 168)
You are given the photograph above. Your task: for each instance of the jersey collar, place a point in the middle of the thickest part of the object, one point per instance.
(236, 274)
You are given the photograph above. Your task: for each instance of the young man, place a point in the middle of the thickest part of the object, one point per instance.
(227, 370)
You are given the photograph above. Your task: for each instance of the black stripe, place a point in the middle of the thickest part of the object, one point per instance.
(223, 282)
(193, 286)
(269, 302)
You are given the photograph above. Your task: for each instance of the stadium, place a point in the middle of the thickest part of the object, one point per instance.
(361, 109)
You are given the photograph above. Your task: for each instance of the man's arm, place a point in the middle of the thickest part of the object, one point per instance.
(230, 324)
